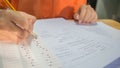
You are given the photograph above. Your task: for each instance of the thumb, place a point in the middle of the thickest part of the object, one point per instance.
(16, 18)
(23, 20)
(29, 20)
(76, 16)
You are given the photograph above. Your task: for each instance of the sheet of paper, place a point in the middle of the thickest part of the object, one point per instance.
(35, 55)
(10, 56)
(76, 46)
(44, 56)
(17, 56)
(102, 29)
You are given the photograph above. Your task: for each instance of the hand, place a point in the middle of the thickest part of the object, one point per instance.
(13, 25)
(86, 15)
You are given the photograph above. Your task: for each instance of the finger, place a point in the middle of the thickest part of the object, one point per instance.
(17, 32)
(7, 25)
(88, 15)
(94, 20)
(76, 16)
(9, 31)
(82, 14)
(16, 18)
(29, 19)
(29, 23)
(23, 36)
(14, 31)
(93, 17)
(21, 19)
(6, 36)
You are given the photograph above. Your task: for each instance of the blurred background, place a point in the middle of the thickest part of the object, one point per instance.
(106, 9)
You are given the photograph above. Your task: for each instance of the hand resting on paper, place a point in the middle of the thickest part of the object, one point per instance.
(13, 26)
(86, 15)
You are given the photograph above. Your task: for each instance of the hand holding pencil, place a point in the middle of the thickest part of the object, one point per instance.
(15, 25)
(9, 5)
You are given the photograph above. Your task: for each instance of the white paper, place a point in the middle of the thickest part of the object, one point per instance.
(16, 56)
(10, 56)
(76, 46)
(80, 46)
(35, 55)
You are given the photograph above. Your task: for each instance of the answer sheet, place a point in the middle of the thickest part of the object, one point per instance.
(80, 46)
(36, 55)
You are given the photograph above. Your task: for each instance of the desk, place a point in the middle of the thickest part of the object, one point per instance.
(111, 22)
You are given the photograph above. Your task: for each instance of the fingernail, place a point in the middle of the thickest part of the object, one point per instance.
(76, 16)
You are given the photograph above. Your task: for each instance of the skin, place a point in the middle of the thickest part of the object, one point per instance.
(15, 26)
(86, 15)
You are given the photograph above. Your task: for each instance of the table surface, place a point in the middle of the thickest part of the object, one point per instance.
(111, 23)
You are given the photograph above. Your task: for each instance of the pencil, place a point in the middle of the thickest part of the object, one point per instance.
(9, 5)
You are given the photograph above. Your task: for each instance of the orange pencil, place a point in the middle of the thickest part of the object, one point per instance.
(9, 5)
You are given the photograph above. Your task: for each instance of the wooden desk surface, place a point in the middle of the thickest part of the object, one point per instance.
(111, 22)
